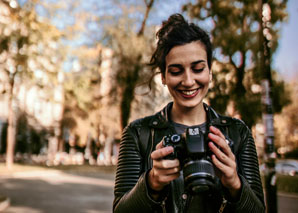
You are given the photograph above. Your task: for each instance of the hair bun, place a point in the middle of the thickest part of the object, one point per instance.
(167, 26)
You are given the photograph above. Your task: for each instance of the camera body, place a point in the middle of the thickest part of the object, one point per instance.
(192, 151)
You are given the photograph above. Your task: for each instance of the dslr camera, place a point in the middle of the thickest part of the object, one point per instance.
(191, 149)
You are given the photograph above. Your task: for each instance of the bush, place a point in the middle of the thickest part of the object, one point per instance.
(293, 154)
(287, 183)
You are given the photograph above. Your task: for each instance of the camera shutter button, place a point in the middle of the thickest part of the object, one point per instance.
(154, 123)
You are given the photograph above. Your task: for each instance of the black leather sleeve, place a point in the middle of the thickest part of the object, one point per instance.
(131, 194)
(252, 197)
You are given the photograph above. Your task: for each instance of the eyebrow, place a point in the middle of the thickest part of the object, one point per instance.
(197, 62)
(192, 63)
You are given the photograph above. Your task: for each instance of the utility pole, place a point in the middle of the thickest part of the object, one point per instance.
(267, 106)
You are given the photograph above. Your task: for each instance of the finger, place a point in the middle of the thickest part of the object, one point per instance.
(221, 142)
(216, 131)
(165, 179)
(171, 171)
(162, 152)
(166, 164)
(159, 145)
(220, 155)
(219, 165)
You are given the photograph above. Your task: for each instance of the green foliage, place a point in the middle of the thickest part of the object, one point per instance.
(286, 183)
(280, 95)
(235, 36)
(30, 44)
(80, 90)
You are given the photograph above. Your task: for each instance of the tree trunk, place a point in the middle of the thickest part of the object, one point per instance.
(128, 94)
(11, 130)
(131, 79)
(127, 98)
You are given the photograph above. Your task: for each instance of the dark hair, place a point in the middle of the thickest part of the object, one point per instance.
(177, 31)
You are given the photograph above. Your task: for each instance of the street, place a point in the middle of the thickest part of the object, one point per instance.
(58, 191)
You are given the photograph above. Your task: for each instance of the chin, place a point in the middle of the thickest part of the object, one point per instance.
(189, 104)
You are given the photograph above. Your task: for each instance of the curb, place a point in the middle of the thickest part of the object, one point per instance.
(4, 203)
(289, 195)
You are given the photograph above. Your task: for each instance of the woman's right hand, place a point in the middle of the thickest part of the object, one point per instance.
(163, 170)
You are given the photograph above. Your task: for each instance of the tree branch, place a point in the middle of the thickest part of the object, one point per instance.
(148, 8)
(232, 62)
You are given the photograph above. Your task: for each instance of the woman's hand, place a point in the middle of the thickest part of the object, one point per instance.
(225, 162)
(163, 170)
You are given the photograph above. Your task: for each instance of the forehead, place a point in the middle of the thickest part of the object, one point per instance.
(187, 53)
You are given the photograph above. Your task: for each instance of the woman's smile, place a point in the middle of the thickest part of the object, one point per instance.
(189, 93)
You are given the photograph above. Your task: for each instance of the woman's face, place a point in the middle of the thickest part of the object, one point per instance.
(187, 75)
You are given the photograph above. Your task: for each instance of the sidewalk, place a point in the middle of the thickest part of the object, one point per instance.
(56, 190)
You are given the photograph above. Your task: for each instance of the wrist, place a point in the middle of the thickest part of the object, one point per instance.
(156, 194)
(235, 189)
(152, 185)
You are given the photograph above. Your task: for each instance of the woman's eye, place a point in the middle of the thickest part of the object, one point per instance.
(198, 70)
(175, 72)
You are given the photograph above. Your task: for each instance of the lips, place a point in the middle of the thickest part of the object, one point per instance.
(189, 93)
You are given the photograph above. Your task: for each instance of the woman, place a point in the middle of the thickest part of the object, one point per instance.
(148, 181)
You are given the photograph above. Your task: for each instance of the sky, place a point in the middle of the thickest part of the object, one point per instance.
(285, 59)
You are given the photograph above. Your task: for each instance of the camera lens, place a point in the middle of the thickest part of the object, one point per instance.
(199, 176)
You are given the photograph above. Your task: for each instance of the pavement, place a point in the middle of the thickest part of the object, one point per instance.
(46, 191)
(43, 191)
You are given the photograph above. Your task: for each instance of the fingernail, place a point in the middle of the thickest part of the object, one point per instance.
(210, 133)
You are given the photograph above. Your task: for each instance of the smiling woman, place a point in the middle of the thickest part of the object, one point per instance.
(187, 157)
(187, 77)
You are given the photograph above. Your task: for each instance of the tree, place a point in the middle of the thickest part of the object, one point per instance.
(130, 49)
(235, 31)
(28, 45)
(286, 123)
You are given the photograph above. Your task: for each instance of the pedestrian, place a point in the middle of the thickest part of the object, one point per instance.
(225, 178)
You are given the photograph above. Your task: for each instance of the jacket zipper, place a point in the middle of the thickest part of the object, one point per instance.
(163, 206)
(223, 205)
(152, 143)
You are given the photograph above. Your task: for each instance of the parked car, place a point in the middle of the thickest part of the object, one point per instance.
(285, 167)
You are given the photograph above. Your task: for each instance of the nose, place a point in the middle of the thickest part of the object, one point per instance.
(188, 79)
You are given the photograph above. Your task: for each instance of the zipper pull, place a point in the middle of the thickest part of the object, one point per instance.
(223, 205)
(163, 205)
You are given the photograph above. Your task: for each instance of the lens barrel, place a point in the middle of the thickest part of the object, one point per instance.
(199, 176)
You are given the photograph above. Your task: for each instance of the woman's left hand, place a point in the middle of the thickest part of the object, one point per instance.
(225, 162)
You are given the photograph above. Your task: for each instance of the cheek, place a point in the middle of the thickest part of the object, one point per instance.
(170, 80)
(205, 79)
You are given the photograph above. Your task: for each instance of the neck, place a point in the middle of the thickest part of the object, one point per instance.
(188, 116)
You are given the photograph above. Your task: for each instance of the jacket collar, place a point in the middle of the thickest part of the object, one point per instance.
(161, 119)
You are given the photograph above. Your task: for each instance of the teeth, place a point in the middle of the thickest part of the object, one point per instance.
(188, 92)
